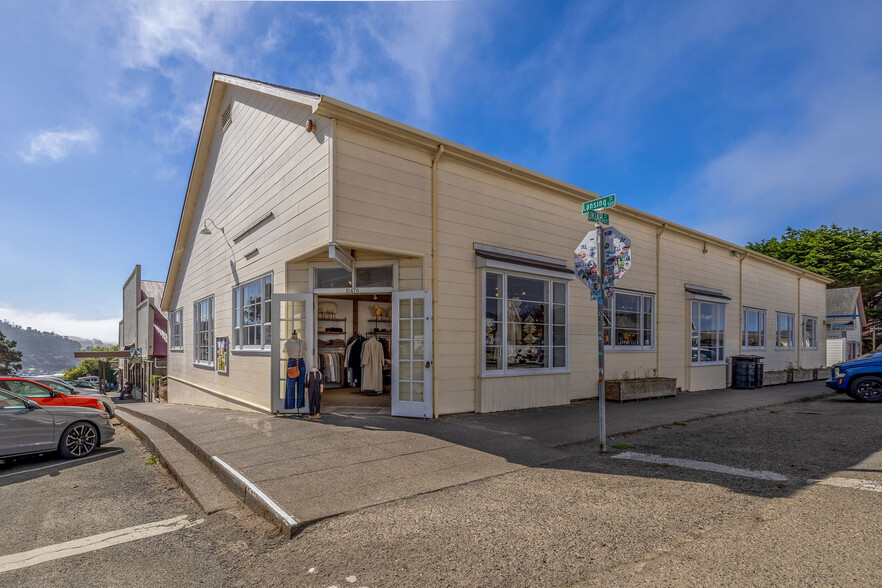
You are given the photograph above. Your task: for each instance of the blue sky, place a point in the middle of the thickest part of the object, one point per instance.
(736, 118)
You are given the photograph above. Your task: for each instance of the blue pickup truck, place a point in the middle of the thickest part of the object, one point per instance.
(860, 378)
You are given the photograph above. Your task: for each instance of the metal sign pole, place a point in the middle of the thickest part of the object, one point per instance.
(601, 385)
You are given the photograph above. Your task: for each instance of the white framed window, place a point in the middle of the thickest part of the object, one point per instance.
(753, 328)
(629, 319)
(525, 324)
(784, 331)
(708, 333)
(252, 320)
(809, 332)
(366, 277)
(203, 331)
(176, 329)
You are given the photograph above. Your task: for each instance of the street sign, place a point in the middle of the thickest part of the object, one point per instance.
(599, 204)
(616, 261)
(598, 217)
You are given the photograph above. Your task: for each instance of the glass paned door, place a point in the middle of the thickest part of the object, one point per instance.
(291, 312)
(412, 354)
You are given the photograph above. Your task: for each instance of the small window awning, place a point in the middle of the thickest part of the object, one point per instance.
(694, 292)
(521, 261)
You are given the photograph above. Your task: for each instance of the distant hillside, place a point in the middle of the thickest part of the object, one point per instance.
(46, 353)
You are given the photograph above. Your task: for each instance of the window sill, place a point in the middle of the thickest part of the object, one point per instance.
(709, 363)
(525, 372)
(753, 349)
(785, 348)
(204, 366)
(177, 349)
(809, 348)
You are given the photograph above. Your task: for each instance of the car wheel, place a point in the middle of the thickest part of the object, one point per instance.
(866, 389)
(78, 440)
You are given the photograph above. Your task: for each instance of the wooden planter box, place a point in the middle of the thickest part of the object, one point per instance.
(800, 375)
(774, 378)
(622, 390)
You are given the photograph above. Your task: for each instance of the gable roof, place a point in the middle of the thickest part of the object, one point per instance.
(841, 303)
(328, 107)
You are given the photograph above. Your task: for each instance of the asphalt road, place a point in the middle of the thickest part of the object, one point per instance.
(588, 520)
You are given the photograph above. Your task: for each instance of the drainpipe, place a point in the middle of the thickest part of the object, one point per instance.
(435, 275)
(798, 331)
(743, 256)
(658, 235)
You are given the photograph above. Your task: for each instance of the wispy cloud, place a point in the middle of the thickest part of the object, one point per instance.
(106, 330)
(56, 145)
(392, 54)
(163, 29)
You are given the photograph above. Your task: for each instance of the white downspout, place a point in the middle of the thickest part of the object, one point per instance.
(658, 235)
(435, 281)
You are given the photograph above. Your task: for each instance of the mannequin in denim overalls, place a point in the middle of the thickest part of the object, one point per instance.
(296, 350)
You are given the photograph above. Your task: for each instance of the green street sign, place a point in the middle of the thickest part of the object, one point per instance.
(599, 204)
(598, 217)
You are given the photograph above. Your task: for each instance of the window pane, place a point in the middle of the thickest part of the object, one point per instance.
(523, 356)
(403, 308)
(493, 334)
(627, 320)
(560, 314)
(332, 277)
(520, 288)
(627, 337)
(560, 336)
(492, 311)
(627, 302)
(560, 357)
(373, 277)
(560, 293)
(491, 360)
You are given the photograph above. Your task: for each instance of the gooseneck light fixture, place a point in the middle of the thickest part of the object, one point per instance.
(206, 231)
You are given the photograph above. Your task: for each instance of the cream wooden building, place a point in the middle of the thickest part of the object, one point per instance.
(305, 212)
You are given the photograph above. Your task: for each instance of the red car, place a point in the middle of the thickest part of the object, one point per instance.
(46, 396)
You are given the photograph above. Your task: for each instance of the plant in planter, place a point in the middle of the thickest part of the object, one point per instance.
(649, 386)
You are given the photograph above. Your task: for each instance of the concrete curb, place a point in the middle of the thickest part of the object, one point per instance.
(245, 491)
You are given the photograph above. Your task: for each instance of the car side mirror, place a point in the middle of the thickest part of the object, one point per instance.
(32, 405)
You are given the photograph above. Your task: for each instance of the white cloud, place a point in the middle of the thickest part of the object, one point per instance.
(394, 54)
(163, 29)
(107, 330)
(56, 145)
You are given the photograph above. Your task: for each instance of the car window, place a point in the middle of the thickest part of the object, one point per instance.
(7, 401)
(55, 386)
(28, 389)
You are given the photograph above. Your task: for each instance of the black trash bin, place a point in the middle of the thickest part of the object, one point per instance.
(747, 371)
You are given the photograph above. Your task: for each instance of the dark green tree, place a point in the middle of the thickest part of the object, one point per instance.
(10, 357)
(851, 257)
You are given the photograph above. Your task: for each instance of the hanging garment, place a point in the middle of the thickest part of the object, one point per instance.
(372, 364)
(314, 382)
(355, 361)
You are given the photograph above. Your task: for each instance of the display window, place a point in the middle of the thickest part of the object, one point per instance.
(525, 324)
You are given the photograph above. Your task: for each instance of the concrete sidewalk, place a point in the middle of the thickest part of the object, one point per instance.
(314, 469)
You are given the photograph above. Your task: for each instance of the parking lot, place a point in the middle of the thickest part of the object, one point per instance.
(782, 496)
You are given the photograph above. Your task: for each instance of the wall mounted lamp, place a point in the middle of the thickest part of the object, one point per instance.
(206, 231)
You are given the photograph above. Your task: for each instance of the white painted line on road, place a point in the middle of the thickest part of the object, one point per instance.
(257, 492)
(867, 485)
(702, 465)
(92, 457)
(95, 542)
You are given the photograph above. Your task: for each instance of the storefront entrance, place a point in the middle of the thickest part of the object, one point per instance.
(374, 351)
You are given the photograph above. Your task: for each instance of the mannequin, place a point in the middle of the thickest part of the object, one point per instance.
(295, 348)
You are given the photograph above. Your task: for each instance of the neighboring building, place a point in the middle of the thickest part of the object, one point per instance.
(142, 330)
(846, 322)
(305, 212)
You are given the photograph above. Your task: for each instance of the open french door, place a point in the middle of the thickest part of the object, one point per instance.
(291, 312)
(412, 354)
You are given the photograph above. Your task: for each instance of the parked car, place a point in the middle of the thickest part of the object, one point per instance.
(860, 378)
(30, 428)
(60, 385)
(46, 396)
(90, 379)
(82, 383)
